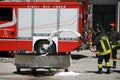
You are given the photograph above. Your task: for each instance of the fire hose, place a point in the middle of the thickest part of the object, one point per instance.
(53, 34)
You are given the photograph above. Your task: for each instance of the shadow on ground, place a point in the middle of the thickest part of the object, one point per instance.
(6, 54)
(37, 73)
(117, 71)
(112, 71)
(77, 56)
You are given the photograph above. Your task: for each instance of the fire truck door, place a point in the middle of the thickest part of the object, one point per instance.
(7, 23)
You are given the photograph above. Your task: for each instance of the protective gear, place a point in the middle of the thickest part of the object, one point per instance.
(112, 24)
(97, 54)
(102, 44)
(103, 49)
(118, 45)
(114, 64)
(100, 65)
(106, 58)
(118, 41)
(108, 67)
(114, 38)
(105, 46)
(100, 69)
(108, 70)
(107, 64)
(113, 46)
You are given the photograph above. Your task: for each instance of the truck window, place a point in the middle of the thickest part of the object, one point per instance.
(5, 14)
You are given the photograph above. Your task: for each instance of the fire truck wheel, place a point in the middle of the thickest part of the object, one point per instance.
(41, 50)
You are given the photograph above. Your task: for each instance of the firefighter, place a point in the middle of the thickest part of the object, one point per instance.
(114, 38)
(103, 48)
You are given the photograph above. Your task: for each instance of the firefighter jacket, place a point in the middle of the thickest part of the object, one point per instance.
(113, 36)
(102, 44)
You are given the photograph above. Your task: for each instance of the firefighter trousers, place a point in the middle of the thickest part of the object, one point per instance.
(114, 53)
(104, 57)
(114, 56)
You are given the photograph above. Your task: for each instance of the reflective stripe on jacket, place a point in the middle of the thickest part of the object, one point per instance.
(105, 46)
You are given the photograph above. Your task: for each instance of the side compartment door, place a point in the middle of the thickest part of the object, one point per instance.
(45, 21)
(24, 23)
(68, 20)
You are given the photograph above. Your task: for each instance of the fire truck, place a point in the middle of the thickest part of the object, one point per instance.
(42, 28)
(27, 25)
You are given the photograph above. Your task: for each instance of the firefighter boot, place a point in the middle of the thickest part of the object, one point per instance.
(99, 71)
(99, 68)
(108, 67)
(114, 64)
(108, 70)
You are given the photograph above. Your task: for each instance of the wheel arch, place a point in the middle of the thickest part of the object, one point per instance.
(40, 40)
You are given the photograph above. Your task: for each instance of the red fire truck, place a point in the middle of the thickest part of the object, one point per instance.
(27, 25)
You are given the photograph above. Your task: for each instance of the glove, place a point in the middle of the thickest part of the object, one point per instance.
(97, 54)
(118, 43)
(114, 46)
(110, 42)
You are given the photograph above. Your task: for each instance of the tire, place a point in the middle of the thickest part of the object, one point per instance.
(40, 50)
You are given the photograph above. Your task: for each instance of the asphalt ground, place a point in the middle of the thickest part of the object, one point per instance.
(83, 67)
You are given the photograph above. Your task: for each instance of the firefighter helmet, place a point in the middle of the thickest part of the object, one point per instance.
(112, 24)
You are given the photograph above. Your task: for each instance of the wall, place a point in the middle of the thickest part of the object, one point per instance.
(104, 2)
(118, 17)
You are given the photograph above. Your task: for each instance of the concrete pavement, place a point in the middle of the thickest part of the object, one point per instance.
(83, 63)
